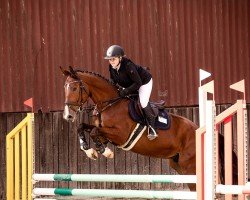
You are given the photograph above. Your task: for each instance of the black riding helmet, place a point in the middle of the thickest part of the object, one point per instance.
(114, 51)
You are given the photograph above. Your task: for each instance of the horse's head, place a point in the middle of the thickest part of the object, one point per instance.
(76, 94)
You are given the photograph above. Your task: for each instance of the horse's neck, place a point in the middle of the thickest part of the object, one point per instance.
(101, 90)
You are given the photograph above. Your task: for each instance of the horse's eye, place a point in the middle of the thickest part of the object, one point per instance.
(74, 89)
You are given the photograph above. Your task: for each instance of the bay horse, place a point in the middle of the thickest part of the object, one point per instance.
(111, 122)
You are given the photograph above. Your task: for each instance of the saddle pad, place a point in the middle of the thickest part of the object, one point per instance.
(162, 120)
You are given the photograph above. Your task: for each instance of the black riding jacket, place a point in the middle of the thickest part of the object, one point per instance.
(129, 75)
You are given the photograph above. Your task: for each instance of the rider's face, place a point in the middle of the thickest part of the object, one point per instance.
(114, 61)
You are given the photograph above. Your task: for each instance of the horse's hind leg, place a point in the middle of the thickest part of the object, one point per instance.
(174, 165)
(184, 165)
(90, 152)
(187, 164)
(100, 143)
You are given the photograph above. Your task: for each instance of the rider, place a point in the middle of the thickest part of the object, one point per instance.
(132, 78)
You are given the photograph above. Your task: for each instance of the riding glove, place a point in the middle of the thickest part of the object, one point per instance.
(123, 92)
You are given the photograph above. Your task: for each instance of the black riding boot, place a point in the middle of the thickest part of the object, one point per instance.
(151, 122)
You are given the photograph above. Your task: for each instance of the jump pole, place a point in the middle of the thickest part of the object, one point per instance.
(116, 178)
(241, 190)
(115, 193)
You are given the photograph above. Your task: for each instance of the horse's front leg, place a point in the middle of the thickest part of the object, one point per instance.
(90, 152)
(100, 143)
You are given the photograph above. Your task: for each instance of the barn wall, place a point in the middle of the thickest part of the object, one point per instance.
(173, 38)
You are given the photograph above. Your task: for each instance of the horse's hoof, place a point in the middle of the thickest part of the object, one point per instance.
(108, 153)
(91, 153)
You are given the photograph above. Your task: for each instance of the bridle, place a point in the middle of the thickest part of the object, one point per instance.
(79, 102)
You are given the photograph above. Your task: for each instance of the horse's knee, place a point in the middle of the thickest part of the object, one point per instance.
(84, 127)
(100, 147)
(80, 128)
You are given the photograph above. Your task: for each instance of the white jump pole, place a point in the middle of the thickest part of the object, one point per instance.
(233, 189)
(148, 194)
(116, 178)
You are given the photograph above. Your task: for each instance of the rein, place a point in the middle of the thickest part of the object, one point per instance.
(109, 104)
(112, 102)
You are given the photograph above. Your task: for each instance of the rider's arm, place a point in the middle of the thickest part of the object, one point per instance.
(135, 77)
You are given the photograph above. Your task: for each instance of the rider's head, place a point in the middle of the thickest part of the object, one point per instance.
(114, 54)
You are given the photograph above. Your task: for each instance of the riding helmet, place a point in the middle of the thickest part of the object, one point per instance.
(114, 51)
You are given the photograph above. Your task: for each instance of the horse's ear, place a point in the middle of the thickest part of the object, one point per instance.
(73, 73)
(65, 72)
(71, 70)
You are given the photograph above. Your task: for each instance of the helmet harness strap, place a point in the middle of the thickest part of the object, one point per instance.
(120, 59)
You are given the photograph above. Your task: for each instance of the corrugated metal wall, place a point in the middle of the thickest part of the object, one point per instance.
(173, 37)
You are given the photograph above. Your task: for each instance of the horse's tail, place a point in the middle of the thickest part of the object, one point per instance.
(222, 162)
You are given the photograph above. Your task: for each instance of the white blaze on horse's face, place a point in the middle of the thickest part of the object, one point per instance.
(68, 114)
(72, 96)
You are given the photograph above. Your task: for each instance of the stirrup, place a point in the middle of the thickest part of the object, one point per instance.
(150, 135)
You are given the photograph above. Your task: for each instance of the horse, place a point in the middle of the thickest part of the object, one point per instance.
(111, 122)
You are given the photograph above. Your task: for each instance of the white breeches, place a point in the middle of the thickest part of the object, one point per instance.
(145, 92)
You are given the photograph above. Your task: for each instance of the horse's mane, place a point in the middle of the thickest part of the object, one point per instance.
(98, 75)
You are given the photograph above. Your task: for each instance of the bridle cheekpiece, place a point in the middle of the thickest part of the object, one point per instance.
(79, 102)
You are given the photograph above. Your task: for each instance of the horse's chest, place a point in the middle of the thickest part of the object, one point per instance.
(102, 120)
(96, 119)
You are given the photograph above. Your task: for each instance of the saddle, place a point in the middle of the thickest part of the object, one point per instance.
(162, 120)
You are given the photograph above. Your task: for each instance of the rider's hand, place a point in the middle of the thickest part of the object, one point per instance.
(122, 92)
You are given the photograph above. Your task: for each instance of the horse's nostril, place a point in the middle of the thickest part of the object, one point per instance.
(70, 117)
